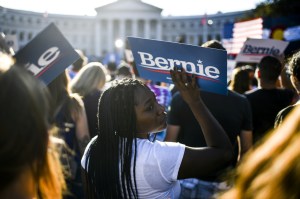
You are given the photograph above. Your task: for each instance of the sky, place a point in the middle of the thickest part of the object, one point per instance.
(170, 7)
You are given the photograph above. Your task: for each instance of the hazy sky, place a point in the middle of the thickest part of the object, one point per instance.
(170, 7)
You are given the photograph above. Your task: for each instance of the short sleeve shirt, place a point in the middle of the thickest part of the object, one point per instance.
(157, 167)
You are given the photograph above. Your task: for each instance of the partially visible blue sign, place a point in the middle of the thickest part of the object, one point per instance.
(292, 33)
(47, 55)
(154, 59)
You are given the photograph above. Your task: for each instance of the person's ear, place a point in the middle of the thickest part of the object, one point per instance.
(258, 73)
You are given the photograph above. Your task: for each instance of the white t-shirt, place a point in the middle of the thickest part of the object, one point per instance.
(157, 167)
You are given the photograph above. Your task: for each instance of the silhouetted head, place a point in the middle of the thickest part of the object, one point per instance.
(269, 69)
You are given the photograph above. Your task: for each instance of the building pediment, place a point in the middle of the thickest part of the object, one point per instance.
(129, 6)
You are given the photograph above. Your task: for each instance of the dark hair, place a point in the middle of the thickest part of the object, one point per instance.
(108, 162)
(240, 81)
(213, 44)
(112, 66)
(124, 71)
(270, 68)
(294, 65)
(24, 125)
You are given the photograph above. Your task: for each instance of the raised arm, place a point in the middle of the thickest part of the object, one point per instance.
(199, 162)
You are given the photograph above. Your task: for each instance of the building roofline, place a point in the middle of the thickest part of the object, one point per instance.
(26, 12)
(207, 15)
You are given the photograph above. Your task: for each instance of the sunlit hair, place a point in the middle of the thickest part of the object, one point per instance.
(52, 184)
(90, 78)
(109, 158)
(60, 94)
(240, 81)
(25, 118)
(294, 65)
(272, 170)
(213, 44)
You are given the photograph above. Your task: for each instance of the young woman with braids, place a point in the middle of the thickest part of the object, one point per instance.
(122, 163)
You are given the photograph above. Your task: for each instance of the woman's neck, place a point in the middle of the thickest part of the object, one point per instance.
(142, 135)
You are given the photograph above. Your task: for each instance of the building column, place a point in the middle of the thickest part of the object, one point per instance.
(196, 40)
(146, 29)
(122, 29)
(98, 46)
(158, 29)
(110, 34)
(122, 34)
(135, 27)
(204, 36)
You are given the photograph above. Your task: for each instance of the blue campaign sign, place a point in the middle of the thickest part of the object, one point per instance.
(154, 59)
(47, 55)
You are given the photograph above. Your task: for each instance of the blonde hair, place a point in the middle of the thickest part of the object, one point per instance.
(272, 169)
(91, 77)
(52, 183)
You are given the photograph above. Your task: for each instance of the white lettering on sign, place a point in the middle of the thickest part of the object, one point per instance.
(148, 60)
(44, 60)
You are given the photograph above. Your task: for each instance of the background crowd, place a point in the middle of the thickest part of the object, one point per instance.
(101, 131)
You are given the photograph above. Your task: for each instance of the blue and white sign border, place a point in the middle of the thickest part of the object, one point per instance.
(154, 59)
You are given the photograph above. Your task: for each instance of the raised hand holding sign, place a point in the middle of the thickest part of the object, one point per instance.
(154, 60)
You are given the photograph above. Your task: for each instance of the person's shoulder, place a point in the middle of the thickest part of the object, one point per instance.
(76, 100)
(91, 143)
(253, 92)
(282, 114)
(256, 93)
(287, 91)
(177, 97)
(144, 143)
(237, 99)
(230, 97)
(286, 110)
(287, 94)
(162, 144)
(236, 95)
(92, 95)
(144, 146)
(86, 151)
(176, 94)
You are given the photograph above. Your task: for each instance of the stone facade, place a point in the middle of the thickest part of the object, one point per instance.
(96, 35)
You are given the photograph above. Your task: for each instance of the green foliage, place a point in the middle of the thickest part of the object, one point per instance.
(275, 8)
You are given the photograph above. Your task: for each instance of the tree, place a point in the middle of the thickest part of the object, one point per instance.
(275, 8)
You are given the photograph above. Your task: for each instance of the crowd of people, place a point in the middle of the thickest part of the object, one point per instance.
(91, 133)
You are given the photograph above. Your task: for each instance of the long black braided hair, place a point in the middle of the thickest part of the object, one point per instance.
(108, 165)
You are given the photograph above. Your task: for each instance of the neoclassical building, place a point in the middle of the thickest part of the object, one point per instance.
(96, 35)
